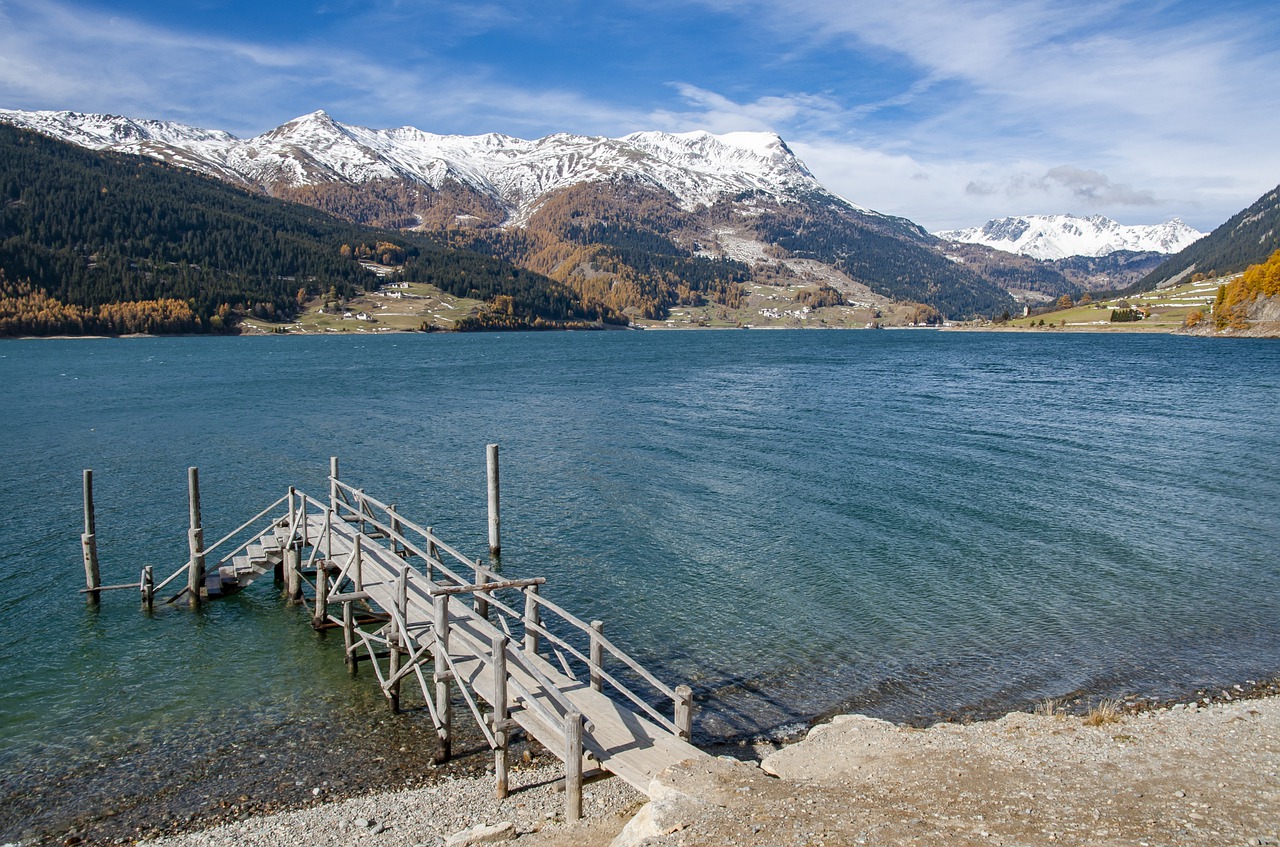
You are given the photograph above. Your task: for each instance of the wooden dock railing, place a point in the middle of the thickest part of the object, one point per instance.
(415, 608)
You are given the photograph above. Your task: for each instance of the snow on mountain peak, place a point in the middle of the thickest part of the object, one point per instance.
(699, 167)
(1060, 236)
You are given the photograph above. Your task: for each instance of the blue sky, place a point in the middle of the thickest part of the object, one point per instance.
(949, 113)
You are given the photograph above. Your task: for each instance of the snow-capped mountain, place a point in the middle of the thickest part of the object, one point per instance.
(1060, 236)
(699, 168)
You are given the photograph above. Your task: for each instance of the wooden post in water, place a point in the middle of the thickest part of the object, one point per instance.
(500, 715)
(491, 462)
(572, 766)
(597, 653)
(89, 543)
(444, 709)
(532, 619)
(320, 611)
(684, 711)
(349, 635)
(148, 587)
(433, 553)
(293, 573)
(195, 539)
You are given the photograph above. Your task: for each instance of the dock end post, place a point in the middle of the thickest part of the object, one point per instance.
(491, 464)
(89, 544)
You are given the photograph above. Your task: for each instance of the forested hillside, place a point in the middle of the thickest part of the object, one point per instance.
(1232, 306)
(1248, 238)
(109, 243)
(892, 256)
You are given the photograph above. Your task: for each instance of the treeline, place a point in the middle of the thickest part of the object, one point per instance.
(28, 311)
(92, 229)
(1231, 307)
(515, 295)
(82, 232)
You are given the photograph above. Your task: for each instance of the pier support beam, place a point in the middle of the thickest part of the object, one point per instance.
(684, 711)
(320, 610)
(444, 708)
(293, 574)
(89, 543)
(572, 766)
(532, 620)
(333, 483)
(500, 716)
(597, 654)
(195, 539)
(480, 599)
(491, 462)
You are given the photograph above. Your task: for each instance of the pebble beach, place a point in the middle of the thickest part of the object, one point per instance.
(1190, 773)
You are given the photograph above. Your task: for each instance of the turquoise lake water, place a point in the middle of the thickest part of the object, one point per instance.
(911, 524)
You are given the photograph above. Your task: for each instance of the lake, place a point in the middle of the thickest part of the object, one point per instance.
(914, 524)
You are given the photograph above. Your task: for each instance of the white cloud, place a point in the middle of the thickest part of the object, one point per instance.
(57, 56)
(1006, 106)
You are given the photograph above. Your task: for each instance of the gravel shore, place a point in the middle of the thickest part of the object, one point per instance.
(426, 816)
(1188, 774)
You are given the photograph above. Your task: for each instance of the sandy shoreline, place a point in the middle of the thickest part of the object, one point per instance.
(1197, 773)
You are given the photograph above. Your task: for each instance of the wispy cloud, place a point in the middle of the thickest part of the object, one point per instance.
(57, 56)
(1113, 106)
(718, 113)
(945, 111)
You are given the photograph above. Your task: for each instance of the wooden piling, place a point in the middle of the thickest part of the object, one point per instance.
(357, 566)
(349, 635)
(195, 539)
(684, 711)
(399, 636)
(532, 619)
(573, 766)
(444, 708)
(293, 574)
(320, 609)
(89, 544)
(148, 587)
(597, 653)
(491, 463)
(500, 715)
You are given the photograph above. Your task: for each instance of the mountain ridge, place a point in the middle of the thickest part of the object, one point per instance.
(1247, 238)
(315, 148)
(659, 220)
(1054, 237)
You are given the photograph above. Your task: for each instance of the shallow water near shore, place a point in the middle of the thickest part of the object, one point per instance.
(912, 524)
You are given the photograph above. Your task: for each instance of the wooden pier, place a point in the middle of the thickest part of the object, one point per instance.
(417, 610)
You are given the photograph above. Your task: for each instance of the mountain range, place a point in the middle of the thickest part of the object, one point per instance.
(1052, 237)
(629, 226)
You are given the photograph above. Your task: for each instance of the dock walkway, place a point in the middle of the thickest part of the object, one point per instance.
(416, 609)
